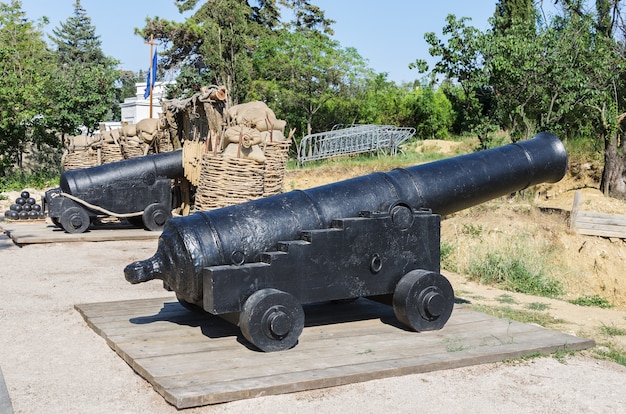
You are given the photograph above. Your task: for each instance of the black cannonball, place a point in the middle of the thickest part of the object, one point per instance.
(7, 214)
(33, 215)
(13, 215)
(16, 207)
(25, 194)
(36, 207)
(27, 207)
(20, 200)
(23, 215)
(30, 201)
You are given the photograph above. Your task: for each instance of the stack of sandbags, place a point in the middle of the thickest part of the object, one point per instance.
(249, 161)
(147, 136)
(79, 142)
(80, 151)
(110, 148)
(243, 142)
(253, 125)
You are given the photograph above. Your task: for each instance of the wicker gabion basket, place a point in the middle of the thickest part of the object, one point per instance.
(111, 152)
(80, 158)
(163, 142)
(131, 148)
(277, 154)
(225, 181)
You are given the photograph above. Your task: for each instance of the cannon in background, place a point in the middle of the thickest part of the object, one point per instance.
(375, 236)
(138, 189)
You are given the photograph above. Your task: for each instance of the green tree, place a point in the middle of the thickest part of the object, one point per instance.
(84, 92)
(592, 71)
(25, 64)
(217, 40)
(565, 75)
(516, 63)
(430, 111)
(511, 14)
(462, 60)
(125, 87)
(383, 102)
(299, 72)
(607, 86)
(76, 40)
(309, 16)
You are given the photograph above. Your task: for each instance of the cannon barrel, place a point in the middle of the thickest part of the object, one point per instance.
(168, 164)
(239, 233)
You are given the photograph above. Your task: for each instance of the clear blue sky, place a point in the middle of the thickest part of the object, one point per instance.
(389, 34)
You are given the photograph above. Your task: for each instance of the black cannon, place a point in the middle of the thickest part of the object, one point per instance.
(139, 189)
(375, 236)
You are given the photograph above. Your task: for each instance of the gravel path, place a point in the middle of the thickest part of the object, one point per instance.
(53, 363)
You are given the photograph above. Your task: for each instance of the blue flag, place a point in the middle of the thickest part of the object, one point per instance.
(146, 92)
(154, 67)
(151, 78)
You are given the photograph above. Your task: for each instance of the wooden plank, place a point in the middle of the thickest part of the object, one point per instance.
(596, 224)
(35, 233)
(174, 371)
(601, 218)
(194, 359)
(602, 230)
(212, 392)
(575, 209)
(620, 234)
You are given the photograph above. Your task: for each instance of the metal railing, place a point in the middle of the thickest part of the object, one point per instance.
(353, 139)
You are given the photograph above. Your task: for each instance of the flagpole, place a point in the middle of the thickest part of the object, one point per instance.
(152, 44)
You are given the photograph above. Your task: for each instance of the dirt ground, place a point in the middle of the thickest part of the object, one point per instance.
(54, 363)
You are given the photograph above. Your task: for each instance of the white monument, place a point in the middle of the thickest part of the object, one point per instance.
(137, 108)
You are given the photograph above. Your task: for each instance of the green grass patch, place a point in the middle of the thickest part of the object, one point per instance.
(514, 272)
(593, 301)
(445, 251)
(612, 353)
(472, 230)
(538, 306)
(447, 255)
(612, 331)
(506, 299)
(19, 180)
(524, 316)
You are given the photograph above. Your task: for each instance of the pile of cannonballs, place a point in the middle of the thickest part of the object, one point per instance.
(24, 208)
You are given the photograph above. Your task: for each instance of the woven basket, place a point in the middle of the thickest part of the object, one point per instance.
(111, 152)
(74, 160)
(227, 181)
(276, 154)
(131, 149)
(164, 144)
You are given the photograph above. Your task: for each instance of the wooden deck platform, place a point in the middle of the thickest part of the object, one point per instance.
(43, 232)
(195, 359)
